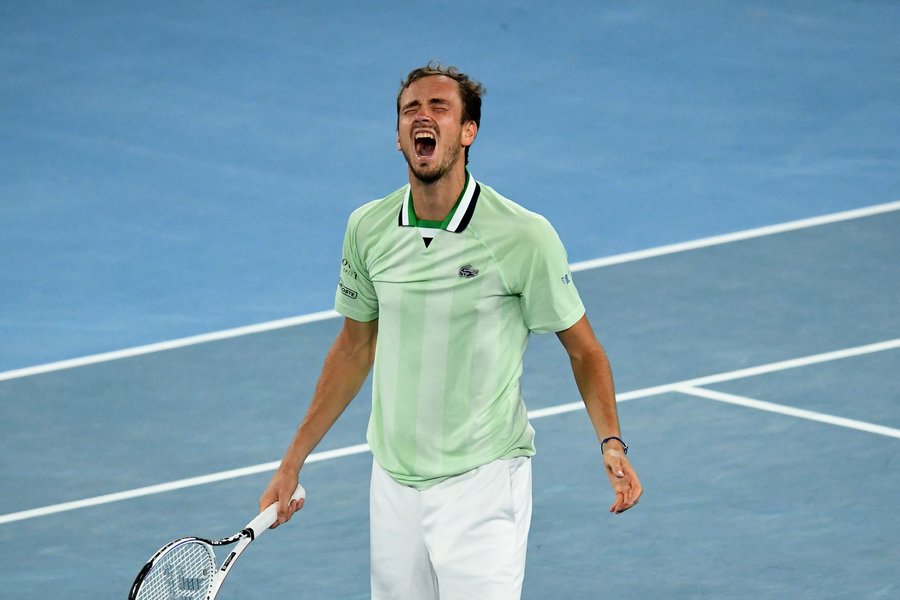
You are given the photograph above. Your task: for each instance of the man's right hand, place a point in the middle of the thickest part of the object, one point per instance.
(280, 490)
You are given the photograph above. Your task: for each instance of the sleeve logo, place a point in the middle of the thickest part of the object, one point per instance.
(566, 279)
(346, 291)
(347, 269)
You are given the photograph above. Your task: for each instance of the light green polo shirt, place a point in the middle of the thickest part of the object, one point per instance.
(455, 301)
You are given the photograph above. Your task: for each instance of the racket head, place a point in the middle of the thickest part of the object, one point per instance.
(183, 569)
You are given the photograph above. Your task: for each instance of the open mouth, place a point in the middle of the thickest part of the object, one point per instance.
(425, 143)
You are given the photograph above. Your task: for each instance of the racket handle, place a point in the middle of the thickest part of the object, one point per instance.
(266, 518)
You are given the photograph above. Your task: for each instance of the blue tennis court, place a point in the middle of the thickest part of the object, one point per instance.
(726, 182)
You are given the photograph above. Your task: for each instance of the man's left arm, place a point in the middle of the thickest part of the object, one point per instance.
(595, 383)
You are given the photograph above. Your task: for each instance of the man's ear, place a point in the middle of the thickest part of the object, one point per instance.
(470, 130)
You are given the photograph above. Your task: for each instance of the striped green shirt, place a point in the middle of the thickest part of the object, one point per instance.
(455, 301)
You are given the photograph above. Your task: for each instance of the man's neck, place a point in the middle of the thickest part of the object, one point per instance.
(434, 201)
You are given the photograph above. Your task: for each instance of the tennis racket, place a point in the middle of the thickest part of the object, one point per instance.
(185, 569)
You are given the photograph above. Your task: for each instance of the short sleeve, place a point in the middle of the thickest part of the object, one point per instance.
(550, 301)
(355, 295)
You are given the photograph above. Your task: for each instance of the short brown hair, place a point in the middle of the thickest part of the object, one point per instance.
(470, 90)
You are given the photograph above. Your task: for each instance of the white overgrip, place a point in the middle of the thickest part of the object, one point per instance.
(266, 518)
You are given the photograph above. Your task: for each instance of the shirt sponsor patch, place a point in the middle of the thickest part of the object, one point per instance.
(347, 269)
(346, 291)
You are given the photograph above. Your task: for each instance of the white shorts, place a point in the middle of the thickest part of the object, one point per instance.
(463, 539)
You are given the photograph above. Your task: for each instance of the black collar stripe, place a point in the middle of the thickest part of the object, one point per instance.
(467, 215)
(461, 217)
(466, 203)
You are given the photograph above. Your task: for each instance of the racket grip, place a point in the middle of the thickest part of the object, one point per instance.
(266, 518)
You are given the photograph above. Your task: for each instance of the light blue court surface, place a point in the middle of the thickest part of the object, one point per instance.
(177, 170)
(181, 168)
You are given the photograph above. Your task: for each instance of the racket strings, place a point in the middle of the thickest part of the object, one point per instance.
(184, 572)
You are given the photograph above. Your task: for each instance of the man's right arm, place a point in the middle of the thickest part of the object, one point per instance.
(346, 367)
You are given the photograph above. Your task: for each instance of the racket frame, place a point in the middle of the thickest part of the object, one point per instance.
(253, 530)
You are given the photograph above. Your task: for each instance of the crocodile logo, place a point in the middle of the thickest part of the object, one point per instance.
(467, 271)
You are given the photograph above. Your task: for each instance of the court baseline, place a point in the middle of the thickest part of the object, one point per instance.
(690, 386)
(707, 242)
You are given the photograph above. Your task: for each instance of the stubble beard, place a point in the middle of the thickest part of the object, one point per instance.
(428, 175)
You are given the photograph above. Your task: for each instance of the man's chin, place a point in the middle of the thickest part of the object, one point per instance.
(427, 174)
(430, 173)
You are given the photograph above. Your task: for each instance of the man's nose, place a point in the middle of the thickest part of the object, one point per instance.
(423, 116)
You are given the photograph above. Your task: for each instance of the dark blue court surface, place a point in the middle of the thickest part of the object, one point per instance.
(171, 171)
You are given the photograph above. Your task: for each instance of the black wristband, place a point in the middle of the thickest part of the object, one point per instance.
(614, 437)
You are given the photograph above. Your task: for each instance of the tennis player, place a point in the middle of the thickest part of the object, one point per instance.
(441, 283)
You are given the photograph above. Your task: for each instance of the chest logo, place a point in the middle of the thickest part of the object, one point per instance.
(467, 271)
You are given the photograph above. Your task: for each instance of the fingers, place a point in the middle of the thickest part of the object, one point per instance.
(280, 494)
(286, 509)
(626, 498)
(625, 483)
(292, 507)
(284, 514)
(624, 501)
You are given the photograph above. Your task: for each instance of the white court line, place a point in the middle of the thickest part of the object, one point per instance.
(330, 314)
(783, 365)
(789, 410)
(169, 345)
(174, 485)
(728, 238)
(689, 384)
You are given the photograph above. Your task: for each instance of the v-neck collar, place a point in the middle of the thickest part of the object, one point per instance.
(457, 219)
